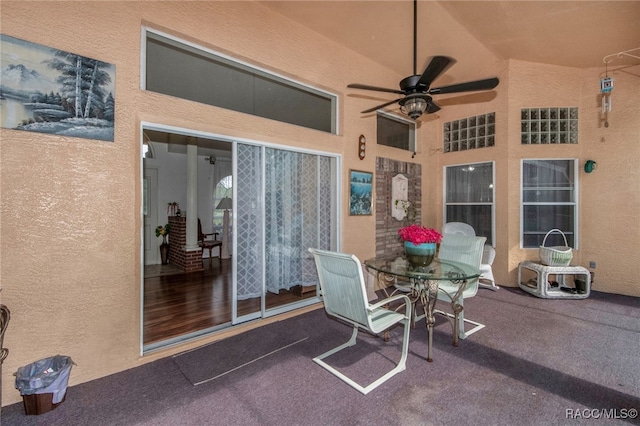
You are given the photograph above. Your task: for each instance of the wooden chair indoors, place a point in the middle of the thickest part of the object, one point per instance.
(205, 241)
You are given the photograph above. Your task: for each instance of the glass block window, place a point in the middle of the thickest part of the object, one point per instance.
(549, 126)
(470, 133)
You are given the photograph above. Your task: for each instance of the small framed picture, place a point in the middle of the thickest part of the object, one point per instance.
(360, 193)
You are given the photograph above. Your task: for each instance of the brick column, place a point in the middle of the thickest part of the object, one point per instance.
(387, 241)
(188, 260)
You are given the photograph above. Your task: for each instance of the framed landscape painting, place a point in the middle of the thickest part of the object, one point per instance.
(360, 193)
(52, 91)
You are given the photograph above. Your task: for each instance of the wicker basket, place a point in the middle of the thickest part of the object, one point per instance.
(557, 255)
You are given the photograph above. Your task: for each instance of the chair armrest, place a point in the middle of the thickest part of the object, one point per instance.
(215, 235)
(488, 255)
(388, 300)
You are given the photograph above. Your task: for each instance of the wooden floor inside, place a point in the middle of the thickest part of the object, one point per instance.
(177, 304)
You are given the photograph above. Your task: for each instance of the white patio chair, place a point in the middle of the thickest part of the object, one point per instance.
(344, 294)
(488, 254)
(468, 250)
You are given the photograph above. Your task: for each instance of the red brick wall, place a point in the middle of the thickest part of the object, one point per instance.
(191, 260)
(387, 241)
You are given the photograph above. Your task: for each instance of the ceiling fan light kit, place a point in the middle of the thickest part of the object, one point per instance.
(413, 106)
(416, 89)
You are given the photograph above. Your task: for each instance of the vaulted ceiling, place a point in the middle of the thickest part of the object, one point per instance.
(568, 33)
(475, 33)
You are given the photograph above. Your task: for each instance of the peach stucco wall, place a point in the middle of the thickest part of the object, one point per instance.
(609, 225)
(609, 198)
(70, 221)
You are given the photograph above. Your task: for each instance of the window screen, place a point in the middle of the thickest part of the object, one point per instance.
(184, 71)
(469, 196)
(395, 132)
(549, 201)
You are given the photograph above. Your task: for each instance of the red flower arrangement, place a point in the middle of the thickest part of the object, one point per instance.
(418, 234)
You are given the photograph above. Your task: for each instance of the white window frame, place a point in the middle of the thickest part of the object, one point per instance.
(445, 204)
(412, 129)
(575, 203)
(147, 32)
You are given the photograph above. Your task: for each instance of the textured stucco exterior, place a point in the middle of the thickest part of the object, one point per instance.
(70, 224)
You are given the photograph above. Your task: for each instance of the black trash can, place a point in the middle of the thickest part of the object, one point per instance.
(43, 384)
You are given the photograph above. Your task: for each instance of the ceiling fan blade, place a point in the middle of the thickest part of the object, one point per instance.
(380, 106)
(469, 86)
(377, 89)
(432, 107)
(436, 67)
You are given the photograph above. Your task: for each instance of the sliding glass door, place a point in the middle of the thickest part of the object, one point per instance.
(248, 229)
(286, 203)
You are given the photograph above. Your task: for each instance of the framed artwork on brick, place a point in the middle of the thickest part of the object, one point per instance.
(360, 193)
(47, 90)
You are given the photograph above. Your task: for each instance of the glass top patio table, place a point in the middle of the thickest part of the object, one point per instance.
(424, 285)
(437, 270)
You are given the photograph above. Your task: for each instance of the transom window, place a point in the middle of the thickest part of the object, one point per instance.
(469, 197)
(549, 125)
(396, 132)
(187, 71)
(469, 133)
(549, 201)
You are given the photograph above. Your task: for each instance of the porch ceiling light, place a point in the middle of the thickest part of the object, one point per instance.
(413, 106)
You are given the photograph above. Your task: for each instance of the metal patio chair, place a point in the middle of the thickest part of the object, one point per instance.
(467, 250)
(344, 294)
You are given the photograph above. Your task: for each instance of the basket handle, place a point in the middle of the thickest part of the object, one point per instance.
(555, 230)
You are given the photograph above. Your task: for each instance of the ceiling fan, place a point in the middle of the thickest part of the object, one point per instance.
(416, 89)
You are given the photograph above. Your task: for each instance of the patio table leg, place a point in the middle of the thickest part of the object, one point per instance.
(456, 323)
(428, 297)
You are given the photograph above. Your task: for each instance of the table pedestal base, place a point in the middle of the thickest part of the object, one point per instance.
(423, 286)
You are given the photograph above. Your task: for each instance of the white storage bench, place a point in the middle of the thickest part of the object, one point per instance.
(540, 280)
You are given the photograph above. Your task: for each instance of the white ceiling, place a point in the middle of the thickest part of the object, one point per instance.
(568, 33)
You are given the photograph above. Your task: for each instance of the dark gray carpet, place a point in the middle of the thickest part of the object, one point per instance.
(217, 359)
(537, 362)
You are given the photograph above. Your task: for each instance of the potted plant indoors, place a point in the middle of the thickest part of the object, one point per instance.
(164, 247)
(420, 243)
